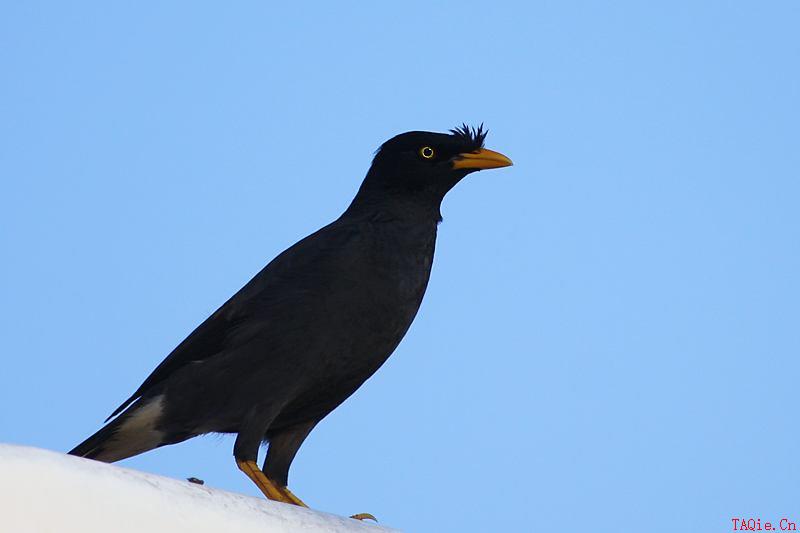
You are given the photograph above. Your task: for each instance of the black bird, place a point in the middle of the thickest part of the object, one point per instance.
(311, 327)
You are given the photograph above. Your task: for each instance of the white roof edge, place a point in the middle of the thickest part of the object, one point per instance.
(44, 491)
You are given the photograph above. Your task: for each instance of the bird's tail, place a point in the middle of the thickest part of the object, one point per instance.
(95, 446)
(131, 433)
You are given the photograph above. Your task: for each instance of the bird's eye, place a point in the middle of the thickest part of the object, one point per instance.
(426, 152)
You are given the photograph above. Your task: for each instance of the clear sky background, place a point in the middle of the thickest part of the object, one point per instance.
(611, 334)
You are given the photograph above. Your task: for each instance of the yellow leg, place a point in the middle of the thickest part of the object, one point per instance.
(270, 490)
(291, 498)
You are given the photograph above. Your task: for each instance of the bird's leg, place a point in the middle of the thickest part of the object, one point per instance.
(283, 446)
(291, 497)
(270, 490)
(245, 451)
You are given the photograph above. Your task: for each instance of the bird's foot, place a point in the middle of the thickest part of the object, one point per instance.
(290, 497)
(264, 484)
(269, 488)
(277, 493)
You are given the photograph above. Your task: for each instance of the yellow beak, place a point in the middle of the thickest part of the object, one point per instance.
(481, 159)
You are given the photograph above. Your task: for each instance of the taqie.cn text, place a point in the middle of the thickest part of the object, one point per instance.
(756, 524)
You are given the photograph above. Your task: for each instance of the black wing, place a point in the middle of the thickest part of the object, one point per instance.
(234, 323)
(206, 340)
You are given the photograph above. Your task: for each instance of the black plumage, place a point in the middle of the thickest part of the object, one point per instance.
(311, 327)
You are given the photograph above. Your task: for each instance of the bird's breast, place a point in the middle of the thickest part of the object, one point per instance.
(379, 292)
(369, 306)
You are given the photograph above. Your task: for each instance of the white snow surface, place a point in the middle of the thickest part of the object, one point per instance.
(43, 491)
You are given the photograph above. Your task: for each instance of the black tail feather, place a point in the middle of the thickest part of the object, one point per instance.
(104, 444)
(94, 446)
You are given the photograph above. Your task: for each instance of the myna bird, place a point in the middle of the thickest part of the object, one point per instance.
(309, 328)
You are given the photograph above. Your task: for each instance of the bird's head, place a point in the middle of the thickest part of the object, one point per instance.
(422, 166)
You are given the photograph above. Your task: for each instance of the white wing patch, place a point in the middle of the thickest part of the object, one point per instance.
(137, 434)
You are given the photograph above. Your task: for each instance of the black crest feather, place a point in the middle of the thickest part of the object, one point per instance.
(471, 135)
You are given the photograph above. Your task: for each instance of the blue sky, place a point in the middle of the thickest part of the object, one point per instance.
(610, 338)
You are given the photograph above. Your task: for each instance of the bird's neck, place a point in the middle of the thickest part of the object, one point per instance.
(396, 209)
(380, 203)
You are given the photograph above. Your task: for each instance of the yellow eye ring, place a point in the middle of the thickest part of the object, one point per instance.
(426, 152)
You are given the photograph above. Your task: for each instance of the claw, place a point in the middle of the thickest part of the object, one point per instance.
(365, 516)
